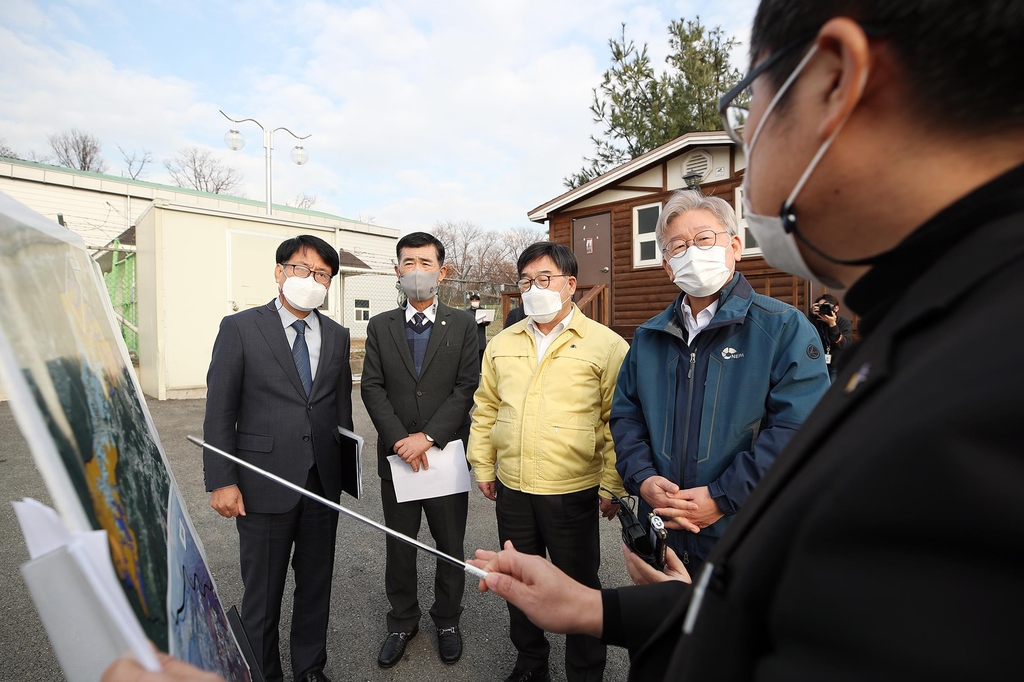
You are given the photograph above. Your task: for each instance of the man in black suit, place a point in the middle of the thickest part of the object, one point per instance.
(481, 326)
(421, 369)
(885, 542)
(279, 386)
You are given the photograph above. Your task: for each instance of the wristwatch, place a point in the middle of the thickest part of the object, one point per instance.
(428, 438)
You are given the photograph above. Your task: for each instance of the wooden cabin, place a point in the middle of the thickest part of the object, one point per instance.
(609, 223)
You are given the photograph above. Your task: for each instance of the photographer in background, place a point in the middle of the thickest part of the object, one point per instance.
(836, 332)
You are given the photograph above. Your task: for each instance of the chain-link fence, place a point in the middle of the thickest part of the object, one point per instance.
(118, 267)
(365, 293)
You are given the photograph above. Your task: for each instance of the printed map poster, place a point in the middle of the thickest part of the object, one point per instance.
(199, 627)
(66, 372)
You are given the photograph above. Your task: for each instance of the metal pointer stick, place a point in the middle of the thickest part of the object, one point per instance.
(472, 570)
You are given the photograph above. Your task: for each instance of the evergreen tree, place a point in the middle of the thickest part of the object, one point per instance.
(640, 109)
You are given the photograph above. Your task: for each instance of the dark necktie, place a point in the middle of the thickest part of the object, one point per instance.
(420, 321)
(300, 353)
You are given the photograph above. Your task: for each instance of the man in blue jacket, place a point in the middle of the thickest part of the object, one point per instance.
(713, 387)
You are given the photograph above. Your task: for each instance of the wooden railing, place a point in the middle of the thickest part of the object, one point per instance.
(596, 304)
(506, 302)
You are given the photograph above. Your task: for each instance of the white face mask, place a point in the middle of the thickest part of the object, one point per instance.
(304, 293)
(776, 235)
(419, 285)
(543, 305)
(474, 304)
(701, 272)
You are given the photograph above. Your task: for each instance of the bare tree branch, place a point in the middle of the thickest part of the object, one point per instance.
(303, 200)
(7, 151)
(136, 162)
(77, 149)
(199, 169)
(474, 253)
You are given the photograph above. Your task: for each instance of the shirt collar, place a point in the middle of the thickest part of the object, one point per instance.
(893, 272)
(288, 319)
(430, 312)
(704, 315)
(558, 328)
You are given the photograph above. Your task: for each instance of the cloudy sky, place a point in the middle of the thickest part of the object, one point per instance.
(419, 110)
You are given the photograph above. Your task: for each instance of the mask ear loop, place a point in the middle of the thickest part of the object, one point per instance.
(778, 97)
(788, 215)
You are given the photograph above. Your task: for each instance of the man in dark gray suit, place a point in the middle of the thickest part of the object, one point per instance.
(421, 370)
(279, 386)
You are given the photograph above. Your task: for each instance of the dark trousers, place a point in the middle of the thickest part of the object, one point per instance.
(446, 518)
(566, 527)
(265, 543)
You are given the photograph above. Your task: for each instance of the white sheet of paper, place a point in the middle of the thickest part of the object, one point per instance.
(45, 533)
(448, 474)
(484, 315)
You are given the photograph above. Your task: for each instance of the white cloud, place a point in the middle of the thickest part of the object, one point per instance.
(419, 110)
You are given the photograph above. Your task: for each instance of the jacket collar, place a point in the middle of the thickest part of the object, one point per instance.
(733, 304)
(577, 324)
(878, 291)
(438, 332)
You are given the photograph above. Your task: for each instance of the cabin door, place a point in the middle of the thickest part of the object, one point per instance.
(592, 244)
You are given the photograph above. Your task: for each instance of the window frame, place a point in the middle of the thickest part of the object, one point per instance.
(741, 223)
(638, 262)
(361, 309)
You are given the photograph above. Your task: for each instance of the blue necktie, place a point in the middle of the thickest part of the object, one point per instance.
(300, 353)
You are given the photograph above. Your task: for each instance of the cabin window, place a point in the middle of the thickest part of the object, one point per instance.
(645, 248)
(362, 309)
(750, 245)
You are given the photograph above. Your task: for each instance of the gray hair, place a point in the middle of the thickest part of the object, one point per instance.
(687, 200)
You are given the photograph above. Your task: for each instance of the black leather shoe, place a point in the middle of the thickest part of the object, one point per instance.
(394, 647)
(315, 676)
(449, 644)
(539, 675)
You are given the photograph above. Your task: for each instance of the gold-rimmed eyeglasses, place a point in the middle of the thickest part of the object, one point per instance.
(703, 240)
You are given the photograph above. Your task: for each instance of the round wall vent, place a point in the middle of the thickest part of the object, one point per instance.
(698, 161)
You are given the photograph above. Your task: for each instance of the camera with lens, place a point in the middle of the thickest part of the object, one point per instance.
(826, 309)
(647, 543)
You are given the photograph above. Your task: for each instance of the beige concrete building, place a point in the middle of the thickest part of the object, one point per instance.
(199, 257)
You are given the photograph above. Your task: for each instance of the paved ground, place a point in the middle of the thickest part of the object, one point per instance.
(358, 599)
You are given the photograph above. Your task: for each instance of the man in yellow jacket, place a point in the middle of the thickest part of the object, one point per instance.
(541, 447)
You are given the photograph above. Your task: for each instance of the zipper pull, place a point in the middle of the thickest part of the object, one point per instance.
(693, 363)
(686, 557)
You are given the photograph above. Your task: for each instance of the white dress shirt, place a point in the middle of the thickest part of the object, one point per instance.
(430, 312)
(544, 340)
(312, 334)
(696, 326)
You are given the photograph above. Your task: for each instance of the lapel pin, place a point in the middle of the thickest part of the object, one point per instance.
(444, 322)
(859, 378)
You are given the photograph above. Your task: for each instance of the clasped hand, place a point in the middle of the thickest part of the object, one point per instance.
(689, 509)
(413, 450)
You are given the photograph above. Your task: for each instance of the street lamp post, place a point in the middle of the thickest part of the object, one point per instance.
(234, 140)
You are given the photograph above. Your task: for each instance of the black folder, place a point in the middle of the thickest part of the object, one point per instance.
(351, 463)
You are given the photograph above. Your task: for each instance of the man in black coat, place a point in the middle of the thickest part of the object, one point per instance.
(421, 369)
(278, 387)
(886, 541)
(481, 325)
(834, 330)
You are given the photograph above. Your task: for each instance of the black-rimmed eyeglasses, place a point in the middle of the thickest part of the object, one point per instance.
(542, 282)
(302, 272)
(734, 106)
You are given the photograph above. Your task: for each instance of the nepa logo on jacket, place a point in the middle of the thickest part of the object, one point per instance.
(731, 354)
